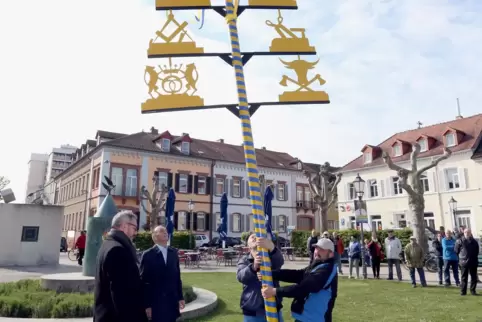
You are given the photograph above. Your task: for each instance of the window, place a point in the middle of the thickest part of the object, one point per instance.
(397, 150)
(30, 233)
(351, 191)
(281, 191)
(201, 185)
(299, 166)
(299, 193)
(201, 222)
(162, 178)
(397, 189)
(367, 157)
(219, 186)
(117, 179)
(424, 183)
(373, 193)
(307, 194)
(450, 139)
(377, 222)
(165, 145)
(181, 220)
(352, 222)
(429, 220)
(304, 223)
(282, 224)
(183, 178)
(131, 183)
(463, 218)
(236, 223)
(236, 188)
(185, 147)
(453, 181)
(423, 145)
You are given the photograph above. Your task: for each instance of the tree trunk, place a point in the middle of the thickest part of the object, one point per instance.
(323, 214)
(153, 217)
(417, 208)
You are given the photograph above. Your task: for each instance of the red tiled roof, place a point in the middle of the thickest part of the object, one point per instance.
(471, 127)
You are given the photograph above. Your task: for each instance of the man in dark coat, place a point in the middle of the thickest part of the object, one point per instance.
(161, 277)
(467, 248)
(117, 279)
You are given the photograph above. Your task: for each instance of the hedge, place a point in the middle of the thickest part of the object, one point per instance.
(180, 240)
(299, 238)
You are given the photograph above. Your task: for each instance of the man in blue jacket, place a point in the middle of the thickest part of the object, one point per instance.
(451, 260)
(252, 302)
(316, 287)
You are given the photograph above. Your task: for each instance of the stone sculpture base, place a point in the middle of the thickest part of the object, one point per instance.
(68, 283)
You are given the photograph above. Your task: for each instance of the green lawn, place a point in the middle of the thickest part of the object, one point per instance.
(357, 300)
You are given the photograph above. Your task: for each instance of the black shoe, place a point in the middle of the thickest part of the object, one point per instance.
(463, 294)
(414, 285)
(447, 285)
(474, 293)
(390, 279)
(424, 285)
(457, 284)
(440, 283)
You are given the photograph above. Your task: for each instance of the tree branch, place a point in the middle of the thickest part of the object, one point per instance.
(414, 156)
(388, 161)
(145, 209)
(434, 163)
(313, 188)
(336, 183)
(145, 193)
(403, 177)
(161, 198)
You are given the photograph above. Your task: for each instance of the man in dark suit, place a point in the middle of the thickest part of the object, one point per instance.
(117, 279)
(161, 277)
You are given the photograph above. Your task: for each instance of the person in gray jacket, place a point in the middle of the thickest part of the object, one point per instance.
(252, 303)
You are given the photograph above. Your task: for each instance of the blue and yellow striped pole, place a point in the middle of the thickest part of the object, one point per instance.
(250, 157)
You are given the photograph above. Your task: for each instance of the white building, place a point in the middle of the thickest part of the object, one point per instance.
(59, 160)
(458, 177)
(37, 169)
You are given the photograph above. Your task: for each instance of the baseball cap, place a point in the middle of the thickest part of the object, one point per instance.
(326, 244)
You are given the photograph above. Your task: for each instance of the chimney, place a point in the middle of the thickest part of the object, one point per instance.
(184, 134)
(220, 140)
(459, 115)
(154, 131)
(263, 148)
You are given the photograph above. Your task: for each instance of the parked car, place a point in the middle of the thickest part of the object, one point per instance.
(201, 239)
(230, 242)
(63, 245)
(282, 242)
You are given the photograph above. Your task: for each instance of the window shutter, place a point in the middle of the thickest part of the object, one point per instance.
(175, 219)
(230, 222)
(367, 189)
(187, 220)
(431, 181)
(462, 178)
(381, 188)
(242, 222)
(247, 189)
(286, 192)
(231, 187)
(169, 180)
(194, 222)
(207, 222)
(226, 182)
(208, 185)
(189, 183)
(247, 223)
(442, 181)
(389, 187)
(287, 222)
(241, 188)
(196, 181)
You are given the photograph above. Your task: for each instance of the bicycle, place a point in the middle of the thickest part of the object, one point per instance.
(73, 254)
(430, 262)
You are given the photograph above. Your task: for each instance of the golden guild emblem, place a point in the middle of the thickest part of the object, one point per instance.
(172, 87)
(288, 40)
(273, 3)
(182, 3)
(304, 93)
(173, 43)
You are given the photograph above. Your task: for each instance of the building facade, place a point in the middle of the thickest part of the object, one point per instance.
(37, 169)
(458, 177)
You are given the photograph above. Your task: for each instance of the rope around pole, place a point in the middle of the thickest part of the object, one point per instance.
(250, 158)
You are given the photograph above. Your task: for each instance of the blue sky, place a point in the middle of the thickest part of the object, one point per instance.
(69, 69)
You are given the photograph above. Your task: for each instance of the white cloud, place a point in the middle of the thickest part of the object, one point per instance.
(69, 68)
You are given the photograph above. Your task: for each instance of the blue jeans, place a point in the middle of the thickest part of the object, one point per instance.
(421, 273)
(261, 318)
(454, 265)
(338, 262)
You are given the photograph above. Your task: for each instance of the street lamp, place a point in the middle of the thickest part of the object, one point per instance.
(190, 206)
(453, 208)
(359, 185)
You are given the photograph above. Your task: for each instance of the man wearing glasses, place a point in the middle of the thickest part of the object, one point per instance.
(118, 288)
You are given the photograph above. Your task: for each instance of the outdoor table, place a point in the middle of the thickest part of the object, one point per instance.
(229, 255)
(288, 252)
(194, 258)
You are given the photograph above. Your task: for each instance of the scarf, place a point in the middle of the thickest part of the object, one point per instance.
(122, 238)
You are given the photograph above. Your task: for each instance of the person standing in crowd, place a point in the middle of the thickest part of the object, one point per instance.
(252, 303)
(80, 245)
(339, 249)
(366, 253)
(467, 248)
(161, 278)
(414, 257)
(450, 258)
(316, 288)
(393, 248)
(442, 231)
(326, 234)
(376, 254)
(312, 240)
(438, 251)
(354, 256)
(460, 233)
(118, 287)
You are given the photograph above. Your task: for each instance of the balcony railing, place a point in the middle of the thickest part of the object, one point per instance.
(305, 204)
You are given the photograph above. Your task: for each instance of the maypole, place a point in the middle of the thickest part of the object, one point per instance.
(250, 157)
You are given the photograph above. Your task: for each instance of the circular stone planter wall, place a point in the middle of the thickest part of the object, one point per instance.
(204, 304)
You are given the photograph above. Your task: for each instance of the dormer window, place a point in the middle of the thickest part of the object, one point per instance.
(165, 145)
(367, 157)
(450, 139)
(423, 145)
(299, 166)
(185, 147)
(397, 150)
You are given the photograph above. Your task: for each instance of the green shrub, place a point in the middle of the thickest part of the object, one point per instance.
(188, 293)
(180, 240)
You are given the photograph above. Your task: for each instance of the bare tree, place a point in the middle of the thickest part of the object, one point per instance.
(414, 189)
(323, 187)
(157, 202)
(3, 182)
